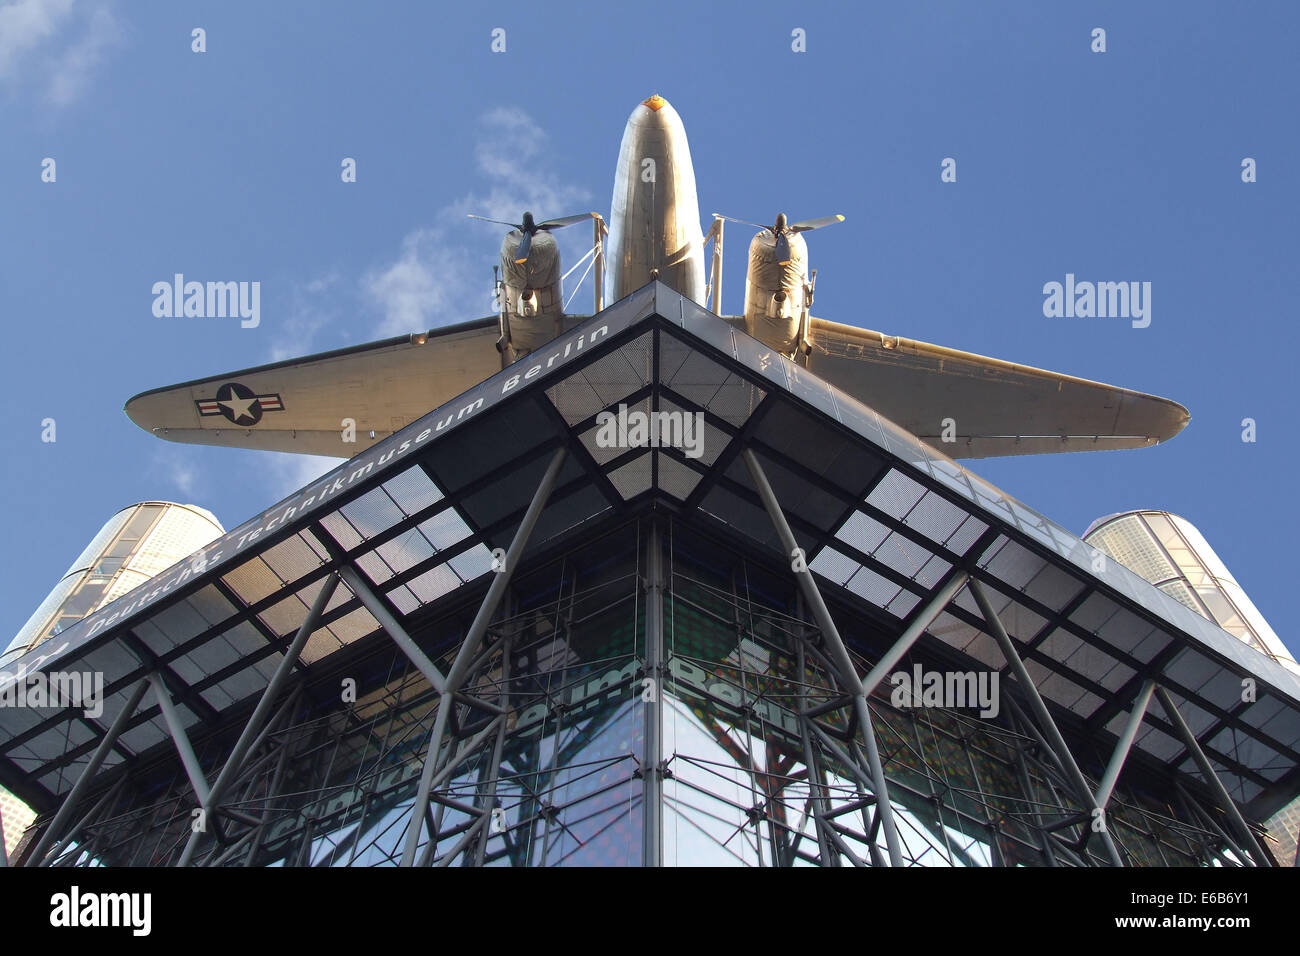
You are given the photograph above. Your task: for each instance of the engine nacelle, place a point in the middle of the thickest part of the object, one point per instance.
(776, 293)
(534, 299)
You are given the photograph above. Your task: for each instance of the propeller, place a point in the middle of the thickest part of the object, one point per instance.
(780, 230)
(529, 228)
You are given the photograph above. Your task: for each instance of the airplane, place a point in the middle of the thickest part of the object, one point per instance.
(996, 408)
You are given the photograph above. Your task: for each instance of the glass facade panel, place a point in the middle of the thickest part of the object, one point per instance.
(543, 756)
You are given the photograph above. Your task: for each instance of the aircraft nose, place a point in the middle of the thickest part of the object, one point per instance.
(655, 229)
(655, 113)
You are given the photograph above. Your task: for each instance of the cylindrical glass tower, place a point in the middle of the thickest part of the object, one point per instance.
(16, 817)
(1174, 556)
(134, 545)
(1169, 552)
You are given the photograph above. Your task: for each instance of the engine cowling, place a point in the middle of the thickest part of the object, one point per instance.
(775, 292)
(534, 299)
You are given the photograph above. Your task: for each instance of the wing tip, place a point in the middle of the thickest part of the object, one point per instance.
(134, 411)
(1173, 418)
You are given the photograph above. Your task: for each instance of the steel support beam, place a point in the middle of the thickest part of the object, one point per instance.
(253, 728)
(174, 726)
(1124, 744)
(392, 628)
(1051, 763)
(96, 761)
(1208, 828)
(494, 769)
(272, 790)
(598, 274)
(933, 608)
(884, 810)
(1044, 838)
(652, 753)
(463, 842)
(1043, 715)
(715, 271)
(1244, 832)
(501, 579)
(469, 649)
(63, 857)
(421, 805)
(839, 652)
(816, 790)
(454, 759)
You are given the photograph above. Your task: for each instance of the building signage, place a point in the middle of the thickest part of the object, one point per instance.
(385, 455)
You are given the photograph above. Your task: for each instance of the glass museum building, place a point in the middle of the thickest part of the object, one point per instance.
(515, 634)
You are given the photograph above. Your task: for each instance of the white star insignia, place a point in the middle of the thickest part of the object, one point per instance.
(239, 407)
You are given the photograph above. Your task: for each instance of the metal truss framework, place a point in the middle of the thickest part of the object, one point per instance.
(829, 798)
(842, 777)
(837, 784)
(1051, 743)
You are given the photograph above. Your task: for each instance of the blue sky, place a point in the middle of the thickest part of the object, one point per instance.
(1123, 165)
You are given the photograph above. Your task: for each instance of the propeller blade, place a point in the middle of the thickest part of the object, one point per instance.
(566, 221)
(814, 223)
(782, 249)
(743, 222)
(526, 243)
(499, 222)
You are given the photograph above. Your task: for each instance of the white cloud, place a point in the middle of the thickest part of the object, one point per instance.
(312, 308)
(428, 284)
(440, 275)
(509, 154)
(287, 472)
(56, 44)
(192, 474)
(73, 68)
(25, 25)
(321, 283)
(175, 466)
(443, 273)
(183, 476)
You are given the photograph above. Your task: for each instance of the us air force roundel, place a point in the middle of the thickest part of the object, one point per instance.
(239, 404)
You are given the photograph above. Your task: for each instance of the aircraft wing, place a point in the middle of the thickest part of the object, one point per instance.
(299, 405)
(998, 408)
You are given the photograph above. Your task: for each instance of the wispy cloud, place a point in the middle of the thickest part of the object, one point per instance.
(195, 475)
(441, 274)
(509, 153)
(184, 477)
(56, 45)
(74, 67)
(312, 309)
(425, 285)
(175, 468)
(286, 473)
(25, 25)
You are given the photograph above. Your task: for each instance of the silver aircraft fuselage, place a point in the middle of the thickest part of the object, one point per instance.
(654, 228)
